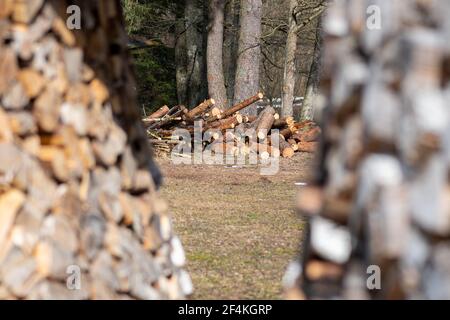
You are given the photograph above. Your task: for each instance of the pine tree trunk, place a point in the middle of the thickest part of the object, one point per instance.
(80, 216)
(230, 49)
(195, 54)
(216, 80)
(312, 85)
(378, 210)
(181, 59)
(249, 54)
(289, 75)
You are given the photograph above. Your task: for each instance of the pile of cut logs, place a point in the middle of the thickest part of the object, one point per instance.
(379, 206)
(80, 215)
(232, 132)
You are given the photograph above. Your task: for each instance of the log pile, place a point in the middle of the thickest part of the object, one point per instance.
(78, 186)
(230, 132)
(380, 201)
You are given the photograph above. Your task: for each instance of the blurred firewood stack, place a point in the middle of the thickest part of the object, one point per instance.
(78, 186)
(382, 195)
(245, 134)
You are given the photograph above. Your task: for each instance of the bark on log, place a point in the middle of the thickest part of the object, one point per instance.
(182, 110)
(205, 105)
(265, 122)
(242, 105)
(283, 122)
(285, 148)
(288, 132)
(264, 150)
(161, 112)
(310, 147)
(311, 135)
(228, 123)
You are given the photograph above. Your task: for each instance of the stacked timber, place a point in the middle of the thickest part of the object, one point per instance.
(241, 134)
(80, 214)
(379, 208)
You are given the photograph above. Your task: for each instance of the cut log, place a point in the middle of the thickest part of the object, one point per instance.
(53, 260)
(288, 132)
(311, 135)
(321, 270)
(201, 108)
(177, 116)
(309, 200)
(228, 123)
(264, 150)
(249, 118)
(297, 136)
(265, 123)
(242, 105)
(99, 91)
(161, 112)
(46, 115)
(32, 82)
(310, 147)
(283, 122)
(25, 10)
(158, 120)
(10, 203)
(285, 148)
(215, 114)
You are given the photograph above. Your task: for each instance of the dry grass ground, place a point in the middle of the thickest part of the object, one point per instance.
(239, 229)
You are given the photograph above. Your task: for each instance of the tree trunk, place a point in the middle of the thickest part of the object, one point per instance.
(195, 54)
(230, 49)
(313, 78)
(80, 216)
(378, 208)
(216, 81)
(249, 53)
(181, 59)
(289, 75)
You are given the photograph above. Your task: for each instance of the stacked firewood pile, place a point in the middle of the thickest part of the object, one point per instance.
(379, 208)
(230, 132)
(80, 215)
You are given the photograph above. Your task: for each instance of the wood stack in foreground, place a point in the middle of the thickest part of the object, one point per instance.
(230, 132)
(379, 208)
(78, 186)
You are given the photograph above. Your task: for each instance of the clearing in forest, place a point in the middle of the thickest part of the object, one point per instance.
(239, 229)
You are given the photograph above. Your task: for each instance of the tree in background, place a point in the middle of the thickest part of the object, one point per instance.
(151, 26)
(312, 85)
(230, 45)
(195, 51)
(249, 53)
(170, 41)
(301, 14)
(216, 79)
(289, 62)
